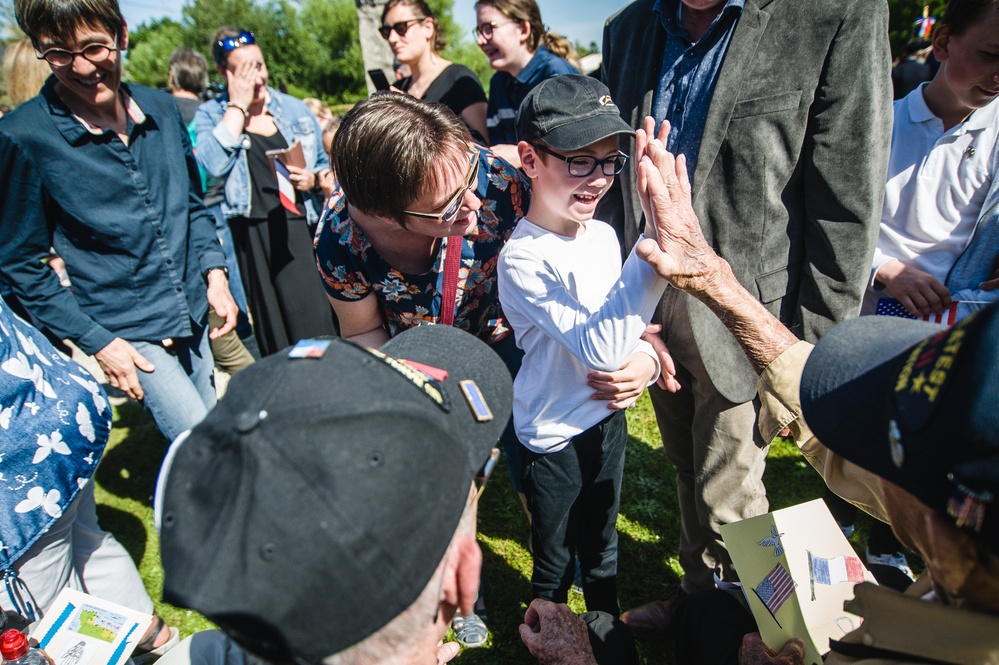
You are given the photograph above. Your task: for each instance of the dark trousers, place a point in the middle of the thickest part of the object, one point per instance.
(573, 496)
(709, 628)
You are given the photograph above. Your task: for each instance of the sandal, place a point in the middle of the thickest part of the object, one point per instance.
(145, 654)
(470, 630)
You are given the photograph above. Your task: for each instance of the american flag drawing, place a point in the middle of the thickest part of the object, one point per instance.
(286, 190)
(892, 307)
(775, 589)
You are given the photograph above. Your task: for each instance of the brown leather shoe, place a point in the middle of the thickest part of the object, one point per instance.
(654, 620)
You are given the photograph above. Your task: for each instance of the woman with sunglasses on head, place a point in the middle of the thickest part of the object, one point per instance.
(271, 227)
(523, 53)
(414, 35)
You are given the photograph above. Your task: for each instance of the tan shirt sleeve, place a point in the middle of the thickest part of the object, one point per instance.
(780, 406)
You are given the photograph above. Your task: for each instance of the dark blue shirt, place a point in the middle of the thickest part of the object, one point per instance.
(507, 92)
(128, 220)
(688, 75)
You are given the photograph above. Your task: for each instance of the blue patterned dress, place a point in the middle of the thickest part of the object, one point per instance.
(54, 423)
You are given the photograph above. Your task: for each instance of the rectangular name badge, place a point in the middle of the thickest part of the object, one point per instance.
(476, 400)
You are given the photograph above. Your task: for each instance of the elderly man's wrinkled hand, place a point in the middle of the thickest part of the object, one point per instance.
(555, 635)
(675, 246)
(755, 652)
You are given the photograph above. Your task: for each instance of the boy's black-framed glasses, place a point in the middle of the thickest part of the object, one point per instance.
(580, 166)
(60, 57)
(453, 206)
(230, 44)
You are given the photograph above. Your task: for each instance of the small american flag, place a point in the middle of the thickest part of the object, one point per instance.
(775, 589)
(286, 190)
(892, 307)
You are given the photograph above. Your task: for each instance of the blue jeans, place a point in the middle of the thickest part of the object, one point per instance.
(180, 391)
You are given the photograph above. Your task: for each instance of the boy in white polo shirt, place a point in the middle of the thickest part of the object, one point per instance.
(941, 175)
(577, 314)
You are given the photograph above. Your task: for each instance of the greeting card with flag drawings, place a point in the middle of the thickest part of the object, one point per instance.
(797, 569)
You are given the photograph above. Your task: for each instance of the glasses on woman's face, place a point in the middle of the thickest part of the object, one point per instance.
(95, 53)
(485, 30)
(453, 205)
(230, 44)
(581, 166)
(400, 28)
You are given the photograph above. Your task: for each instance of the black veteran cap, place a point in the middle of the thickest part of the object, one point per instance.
(918, 405)
(316, 500)
(569, 112)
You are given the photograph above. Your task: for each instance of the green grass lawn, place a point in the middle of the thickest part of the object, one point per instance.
(648, 525)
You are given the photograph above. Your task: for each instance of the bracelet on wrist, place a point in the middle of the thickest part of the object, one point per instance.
(239, 107)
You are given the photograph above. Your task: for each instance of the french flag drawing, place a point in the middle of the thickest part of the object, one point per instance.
(286, 190)
(836, 570)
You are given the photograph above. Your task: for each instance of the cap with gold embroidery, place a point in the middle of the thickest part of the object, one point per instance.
(918, 405)
(315, 501)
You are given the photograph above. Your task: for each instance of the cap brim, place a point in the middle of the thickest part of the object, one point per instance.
(465, 357)
(847, 383)
(587, 131)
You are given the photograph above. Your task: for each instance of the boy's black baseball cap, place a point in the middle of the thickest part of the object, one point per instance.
(316, 500)
(569, 112)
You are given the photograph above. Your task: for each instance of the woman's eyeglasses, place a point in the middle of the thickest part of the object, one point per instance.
(453, 206)
(581, 166)
(95, 53)
(400, 28)
(486, 29)
(230, 44)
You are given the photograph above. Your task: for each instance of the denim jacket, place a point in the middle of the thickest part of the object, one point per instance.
(223, 155)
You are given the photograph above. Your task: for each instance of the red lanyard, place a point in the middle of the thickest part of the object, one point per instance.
(452, 265)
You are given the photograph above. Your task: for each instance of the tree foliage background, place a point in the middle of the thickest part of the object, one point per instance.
(312, 46)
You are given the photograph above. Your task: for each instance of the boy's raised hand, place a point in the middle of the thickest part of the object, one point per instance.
(643, 138)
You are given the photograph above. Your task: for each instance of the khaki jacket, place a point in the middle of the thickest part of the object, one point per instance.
(898, 629)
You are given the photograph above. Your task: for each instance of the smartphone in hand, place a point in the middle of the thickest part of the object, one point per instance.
(379, 79)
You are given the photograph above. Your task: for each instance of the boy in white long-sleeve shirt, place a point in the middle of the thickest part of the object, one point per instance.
(576, 312)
